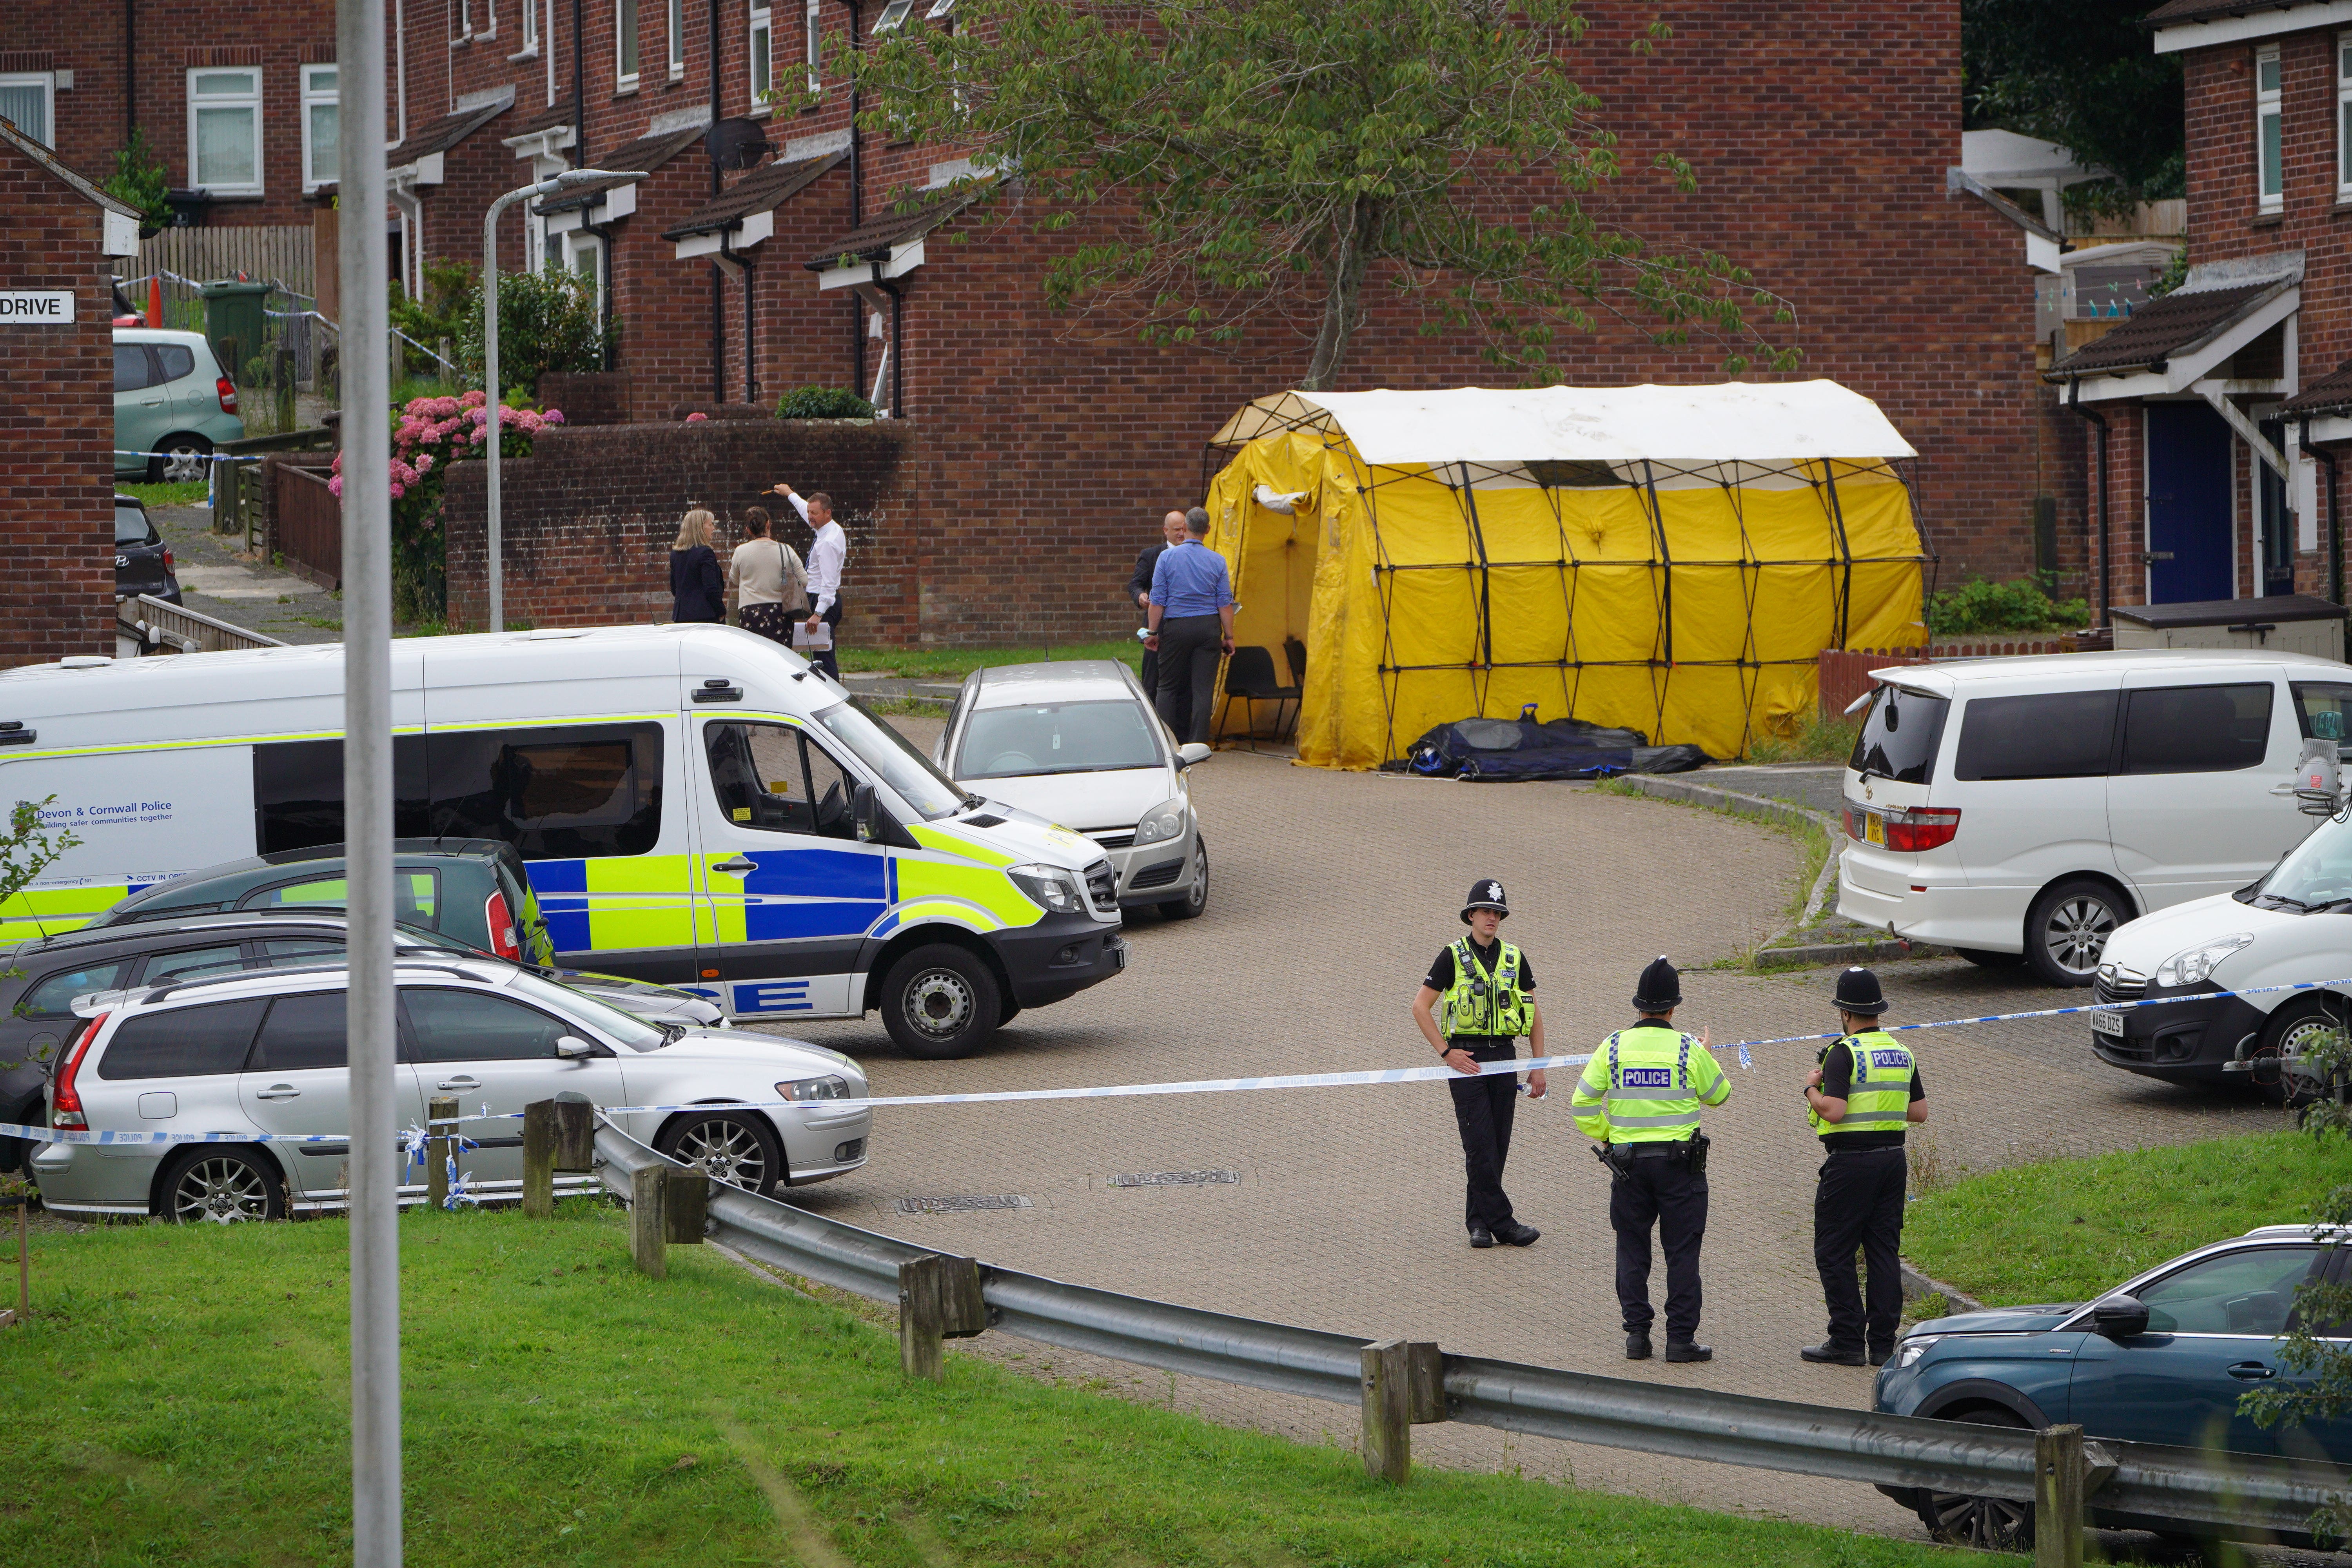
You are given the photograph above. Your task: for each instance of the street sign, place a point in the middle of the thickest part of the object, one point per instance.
(35, 306)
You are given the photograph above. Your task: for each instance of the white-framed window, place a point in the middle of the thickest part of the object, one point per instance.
(531, 24)
(625, 44)
(762, 66)
(30, 97)
(224, 130)
(940, 9)
(322, 117)
(488, 10)
(676, 39)
(814, 47)
(2270, 182)
(584, 254)
(461, 21)
(2343, 114)
(893, 17)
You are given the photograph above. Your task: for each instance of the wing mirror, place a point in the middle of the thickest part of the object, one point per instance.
(865, 812)
(1192, 751)
(2120, 1317)
(572, 1048)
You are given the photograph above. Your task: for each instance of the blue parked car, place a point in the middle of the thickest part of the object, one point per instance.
(2163, 1358)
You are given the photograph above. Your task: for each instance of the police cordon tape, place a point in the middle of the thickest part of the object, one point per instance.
(193, 457)
(1126, 1091)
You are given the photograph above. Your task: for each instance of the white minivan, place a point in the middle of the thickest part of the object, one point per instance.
(2030, 806)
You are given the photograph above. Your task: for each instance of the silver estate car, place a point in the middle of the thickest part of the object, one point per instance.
(1078, 743)
(263, 1051)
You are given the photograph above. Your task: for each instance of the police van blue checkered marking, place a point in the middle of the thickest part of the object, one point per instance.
(774, 996)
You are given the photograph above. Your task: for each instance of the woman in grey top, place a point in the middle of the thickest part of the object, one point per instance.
(770, 583)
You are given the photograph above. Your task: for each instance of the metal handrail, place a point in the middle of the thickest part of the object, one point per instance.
(2143, 1481)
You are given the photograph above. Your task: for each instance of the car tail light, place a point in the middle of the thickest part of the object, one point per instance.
(227, 390)
(65, 1100)
(1921, 828)
(502, 928)
(1852, 821)
(167, 558)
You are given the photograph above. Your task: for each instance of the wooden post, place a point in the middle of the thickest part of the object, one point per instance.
(938, 1299)
(649, 1184)
(24, 1257)
(1405, 1385)
(2058, 1497)
(575, 1134)
(439, 1111)
(539, 1160)
(686, 1201)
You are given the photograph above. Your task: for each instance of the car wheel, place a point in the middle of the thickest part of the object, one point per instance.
(940, 1002)
(1987, 1523)
(2293, 1031)
(2067, 930)
(731, 1147)
(222, 1186)
(1985, 958)
(1193, 902)
(185, 460)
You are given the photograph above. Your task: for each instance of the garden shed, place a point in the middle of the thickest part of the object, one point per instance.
(1668, 559)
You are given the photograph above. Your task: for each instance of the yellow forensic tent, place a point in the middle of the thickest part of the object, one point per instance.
(1668, 559)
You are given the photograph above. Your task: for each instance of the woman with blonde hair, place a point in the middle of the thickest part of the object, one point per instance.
(697, 590)
(770, 583)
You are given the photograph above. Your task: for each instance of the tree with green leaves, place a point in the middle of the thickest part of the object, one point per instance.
(139, 182)
(2085, 74)
(28, 848)
(1228, 168)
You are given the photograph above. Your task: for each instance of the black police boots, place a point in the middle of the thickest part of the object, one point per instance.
(1688, 1349)
(1831, 1355)
(1511, 1233)
(1637, 1347)
(1481, 1236)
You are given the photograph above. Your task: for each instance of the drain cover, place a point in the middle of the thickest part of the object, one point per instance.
(1177, 1179)
(963, 1203)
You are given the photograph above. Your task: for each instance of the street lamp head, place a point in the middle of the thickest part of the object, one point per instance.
(571, 177)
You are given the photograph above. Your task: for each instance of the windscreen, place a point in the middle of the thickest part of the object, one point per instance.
(894, 757)
(626, 1027)
(1899, 735)
(132, 527)
(2316, 873)
(1056, 738)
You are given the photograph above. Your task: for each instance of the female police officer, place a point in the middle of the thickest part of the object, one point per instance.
(1488, 992)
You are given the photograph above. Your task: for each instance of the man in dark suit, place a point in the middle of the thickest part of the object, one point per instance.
(1139, 591)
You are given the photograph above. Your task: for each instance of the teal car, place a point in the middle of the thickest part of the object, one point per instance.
(173, 404)
(2163, 1358)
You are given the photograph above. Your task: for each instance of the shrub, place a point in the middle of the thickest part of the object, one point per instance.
(823, 403)
(547, 320)
(449, 298)
(2020, 607)
(139, 180)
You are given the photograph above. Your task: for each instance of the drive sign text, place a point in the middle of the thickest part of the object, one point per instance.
(35, 306)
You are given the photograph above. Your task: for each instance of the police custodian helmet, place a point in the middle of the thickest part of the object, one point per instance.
(1484, 894)
(1858, 993)
(1661, 986)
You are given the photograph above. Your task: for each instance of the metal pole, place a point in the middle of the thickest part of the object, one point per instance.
(367, 794)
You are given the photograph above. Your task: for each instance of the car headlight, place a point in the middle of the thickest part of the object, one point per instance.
(2192, 965)
(1162, 822)
(1051, 887)
(830, 1087)
(1911, 1349)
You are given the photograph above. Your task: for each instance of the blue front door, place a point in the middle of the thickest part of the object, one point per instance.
(2188, 504)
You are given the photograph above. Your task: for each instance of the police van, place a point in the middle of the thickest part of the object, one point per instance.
(695, 805)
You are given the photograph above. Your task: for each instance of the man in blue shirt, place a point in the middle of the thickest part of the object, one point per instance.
(1191, 623)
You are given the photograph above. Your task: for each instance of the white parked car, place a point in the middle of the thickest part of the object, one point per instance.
(1078, 743)
(265, 1051)
(2030, 806)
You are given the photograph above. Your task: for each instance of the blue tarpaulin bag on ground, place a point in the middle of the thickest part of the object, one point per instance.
(1501, 750)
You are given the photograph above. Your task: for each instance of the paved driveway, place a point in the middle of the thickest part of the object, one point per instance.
(1330, 894)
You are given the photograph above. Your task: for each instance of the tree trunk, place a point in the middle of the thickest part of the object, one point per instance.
(1343, 291)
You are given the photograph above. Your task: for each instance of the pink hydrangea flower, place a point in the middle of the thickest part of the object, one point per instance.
(473, 399)
(692, 418)
(398, 490)
(335, 487)
(424, 463)
(553, 416)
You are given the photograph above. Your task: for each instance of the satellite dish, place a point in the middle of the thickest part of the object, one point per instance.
(735, 143)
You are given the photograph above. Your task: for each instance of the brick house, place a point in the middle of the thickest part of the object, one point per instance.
(2223, 408)
(57, 403)
(1824, 134)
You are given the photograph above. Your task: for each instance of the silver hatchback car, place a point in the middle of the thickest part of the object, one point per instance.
(265, 1051)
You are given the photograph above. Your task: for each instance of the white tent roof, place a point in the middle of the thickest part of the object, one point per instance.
(1775, 422)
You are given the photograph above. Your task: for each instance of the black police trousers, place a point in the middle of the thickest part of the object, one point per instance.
(1859, 1202)
(1482, 1108)
(1661, 1191)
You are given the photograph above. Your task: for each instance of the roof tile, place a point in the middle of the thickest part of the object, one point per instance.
(643, 156)
(2158, 331)
(872, 240)
(762, 190)
(440, 135)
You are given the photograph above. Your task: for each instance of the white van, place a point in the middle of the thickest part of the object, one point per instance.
(2032, 805)
(693, 805)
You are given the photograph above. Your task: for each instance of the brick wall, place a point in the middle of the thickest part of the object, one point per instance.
(57, 425)
(587, 518)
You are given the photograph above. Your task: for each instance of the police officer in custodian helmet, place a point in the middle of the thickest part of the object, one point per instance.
(1488, 992)
(1640, 1095)
(1865, 1092)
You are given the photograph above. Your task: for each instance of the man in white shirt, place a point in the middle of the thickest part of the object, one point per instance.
(826, 557)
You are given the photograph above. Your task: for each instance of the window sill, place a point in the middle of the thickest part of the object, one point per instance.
(626, 88)
(2268, 220)
(461, 43)
(219, 197)
(677, 75)
(528, 52)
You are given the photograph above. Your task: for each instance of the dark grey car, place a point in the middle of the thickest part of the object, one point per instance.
(37, 1003)
(142, 562)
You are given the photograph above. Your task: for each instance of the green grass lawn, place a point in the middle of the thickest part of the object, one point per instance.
(181, 1396)
(176, 492)
(955, 663)
(2065, 1230)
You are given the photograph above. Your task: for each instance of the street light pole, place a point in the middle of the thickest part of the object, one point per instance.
(367, 790)
(493, 437)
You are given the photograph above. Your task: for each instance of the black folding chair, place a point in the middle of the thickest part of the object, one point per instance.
(1249, 675)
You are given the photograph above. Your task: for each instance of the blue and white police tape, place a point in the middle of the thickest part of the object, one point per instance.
(1435, 1072)
(192, 457)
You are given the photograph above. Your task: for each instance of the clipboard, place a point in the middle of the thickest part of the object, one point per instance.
(806, 641)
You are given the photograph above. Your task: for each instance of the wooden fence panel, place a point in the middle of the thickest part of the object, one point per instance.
(271, 254)
(308, 525)
(1846, 672)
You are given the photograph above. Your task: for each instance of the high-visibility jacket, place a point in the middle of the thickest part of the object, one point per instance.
(1880, 1094)
(1482, 1003)
(1645, 1085)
